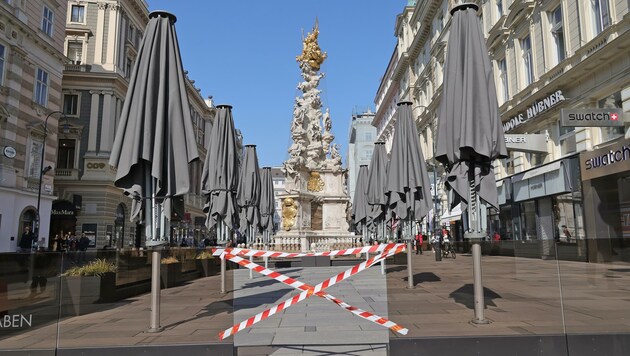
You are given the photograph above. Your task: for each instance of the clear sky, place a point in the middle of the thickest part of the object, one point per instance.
(243, 53)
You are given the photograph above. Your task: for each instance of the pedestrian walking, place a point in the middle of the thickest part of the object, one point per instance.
(418, 242)
(83, 244)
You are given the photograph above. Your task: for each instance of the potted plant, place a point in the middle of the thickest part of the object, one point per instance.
(82, 286)
(206, 263)
(170, 272)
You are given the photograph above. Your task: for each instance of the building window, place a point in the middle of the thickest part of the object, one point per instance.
(557, 31)
(77, 13)
(128, 67)
(499, 8)
(601, 15)
(75, 51)
(47, 21)
(65, 154)
(567, 140)
(71, 104)
(503, 80)
(368, 137)
(2, 58)
(41, 87)
(528, 60)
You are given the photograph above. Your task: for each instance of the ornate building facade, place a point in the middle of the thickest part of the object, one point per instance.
(102, 40)
(547, 56)
(31, 68)
(360, 145)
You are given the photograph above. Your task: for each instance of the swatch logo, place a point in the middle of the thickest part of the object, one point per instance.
(591, 117)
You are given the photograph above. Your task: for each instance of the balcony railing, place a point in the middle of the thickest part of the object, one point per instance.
(77, 67)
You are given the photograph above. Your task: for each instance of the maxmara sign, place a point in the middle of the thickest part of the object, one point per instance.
(537, 108)
(591, 117)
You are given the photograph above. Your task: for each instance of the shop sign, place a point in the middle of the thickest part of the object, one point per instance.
(532, 143)
(537, 108)
(591, 117)
(9, 152)
(63, 208)
(605, 161)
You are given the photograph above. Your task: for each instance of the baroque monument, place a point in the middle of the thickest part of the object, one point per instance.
(315, 202)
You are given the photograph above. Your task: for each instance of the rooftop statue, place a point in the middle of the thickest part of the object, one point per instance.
(311, 53)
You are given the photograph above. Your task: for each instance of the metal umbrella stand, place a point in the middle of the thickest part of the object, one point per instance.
(408, 186)
(248, 196)
(470, 135)
(219, 179)
(267, 207)
(155, 140)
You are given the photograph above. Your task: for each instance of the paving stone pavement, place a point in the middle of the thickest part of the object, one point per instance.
(522, 295)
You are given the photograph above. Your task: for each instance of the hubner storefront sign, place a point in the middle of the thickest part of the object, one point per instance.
(534, 110)
(605, 161)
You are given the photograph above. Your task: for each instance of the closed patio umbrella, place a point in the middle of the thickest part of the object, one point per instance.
(267, 204)
(360, 206)
(248, 193)
(155, 140)
(470, 135)
(408, 186)
(377, 178)
(219, 177)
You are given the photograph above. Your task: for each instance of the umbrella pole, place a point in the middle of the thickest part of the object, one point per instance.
(365, 241)
(251, 258)
(156, 257)
(220, 233)
(475, 235)
(266, 242)
(409, 248)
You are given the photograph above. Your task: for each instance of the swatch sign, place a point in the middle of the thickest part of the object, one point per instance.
(591, 117)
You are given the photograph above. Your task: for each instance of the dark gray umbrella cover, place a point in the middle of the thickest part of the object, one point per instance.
(155, 138)
(220, 171)
(360, 206)
(377, 179)
(469, 126)
(248, 190)
(267, 201)
(408, 185)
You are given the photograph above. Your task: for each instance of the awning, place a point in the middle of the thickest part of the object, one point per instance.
(453, 215)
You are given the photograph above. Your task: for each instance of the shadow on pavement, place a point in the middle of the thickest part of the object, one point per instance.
(465, 295)
(211, 309)
(422, 277)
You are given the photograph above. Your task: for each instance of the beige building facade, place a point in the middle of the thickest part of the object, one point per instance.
(31, 68)
(102, 39)
(547, 56)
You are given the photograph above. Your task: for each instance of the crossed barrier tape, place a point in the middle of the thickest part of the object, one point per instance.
(260, 253)
(307, 290)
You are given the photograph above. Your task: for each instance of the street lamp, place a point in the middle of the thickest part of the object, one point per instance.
(43, 170)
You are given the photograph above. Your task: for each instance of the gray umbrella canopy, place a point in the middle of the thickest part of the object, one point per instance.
(155, 140)
(408, 185)
(220, 171)
(248, 190)
(469, 127)
(377, 179)
(360, 206)
(267, 202)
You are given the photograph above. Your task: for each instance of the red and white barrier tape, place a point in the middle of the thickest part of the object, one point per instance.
(312, 290)
(303, 286)
(275, 254)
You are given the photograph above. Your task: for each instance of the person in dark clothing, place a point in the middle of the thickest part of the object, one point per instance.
(26, 242)
(82, 245)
